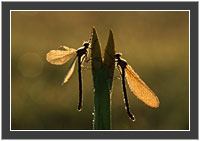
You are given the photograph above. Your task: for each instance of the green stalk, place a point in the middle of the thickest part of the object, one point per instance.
(102, 86)
(109, 59)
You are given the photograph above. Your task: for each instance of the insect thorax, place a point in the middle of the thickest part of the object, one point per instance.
(81, 51)
(122, 63)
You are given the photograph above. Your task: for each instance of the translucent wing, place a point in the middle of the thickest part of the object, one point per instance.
(61, 47)
(140, 89)
(60, 56)
(70, 71)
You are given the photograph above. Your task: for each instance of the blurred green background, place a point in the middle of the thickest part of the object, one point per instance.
(155, 44)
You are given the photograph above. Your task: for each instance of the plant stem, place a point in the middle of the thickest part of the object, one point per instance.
(102, 87)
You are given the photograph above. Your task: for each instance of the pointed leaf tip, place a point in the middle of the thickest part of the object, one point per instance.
(96, 51)
(109, 59)
(111, 31)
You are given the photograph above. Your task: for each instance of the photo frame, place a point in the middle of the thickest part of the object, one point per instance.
(7, 133)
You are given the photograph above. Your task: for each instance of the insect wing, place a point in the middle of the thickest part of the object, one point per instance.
(70, 71)
(61, 47)
(59, 57)
(140, 89)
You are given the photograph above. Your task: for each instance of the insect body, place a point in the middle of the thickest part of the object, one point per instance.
(136, 85)
(64, 54)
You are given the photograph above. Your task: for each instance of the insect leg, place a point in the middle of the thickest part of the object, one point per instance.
(87, 58)
(83, 59)
(119, 70)
(125, 95)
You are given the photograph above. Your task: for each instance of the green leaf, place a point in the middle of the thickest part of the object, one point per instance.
(109, 59)
(101, 87)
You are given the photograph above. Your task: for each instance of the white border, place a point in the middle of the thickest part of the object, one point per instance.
(107, 11)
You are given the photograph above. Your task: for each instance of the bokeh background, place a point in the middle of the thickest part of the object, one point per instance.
(155, 44)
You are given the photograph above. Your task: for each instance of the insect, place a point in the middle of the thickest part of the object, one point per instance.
(136, 85)
(62, 55)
